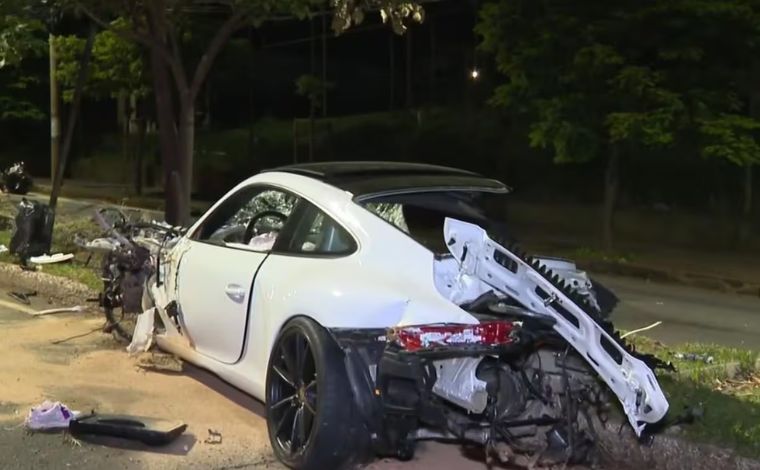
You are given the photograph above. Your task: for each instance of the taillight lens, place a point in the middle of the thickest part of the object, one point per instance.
(419, 337)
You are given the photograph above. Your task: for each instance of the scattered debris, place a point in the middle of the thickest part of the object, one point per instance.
(214, 437)
(33, 232)
(86, 333)
(160, 362)
(69, 439)
(76, 309)
(692, 357)
(22, 297)
(142, 337)
(640, 330)
(15, 179)
(149, 431)
(746, 386)
(49, 416)
(50, 259)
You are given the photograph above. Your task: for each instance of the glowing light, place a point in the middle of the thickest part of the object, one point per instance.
(474, 74)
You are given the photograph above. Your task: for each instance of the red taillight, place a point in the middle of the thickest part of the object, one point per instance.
(414, 338)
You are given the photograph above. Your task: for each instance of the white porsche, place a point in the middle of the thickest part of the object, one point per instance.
(374, 304)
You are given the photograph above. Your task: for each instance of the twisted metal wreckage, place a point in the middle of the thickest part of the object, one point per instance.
(526, 383)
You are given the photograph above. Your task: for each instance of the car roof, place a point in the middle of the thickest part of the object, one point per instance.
(365, 179)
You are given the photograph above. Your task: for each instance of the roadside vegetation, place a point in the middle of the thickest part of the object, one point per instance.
(722, 393)
(63, 242)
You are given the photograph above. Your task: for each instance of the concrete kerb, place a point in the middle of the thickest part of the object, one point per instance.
(60, 290)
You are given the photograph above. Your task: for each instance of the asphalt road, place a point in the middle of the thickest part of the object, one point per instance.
(687, 314)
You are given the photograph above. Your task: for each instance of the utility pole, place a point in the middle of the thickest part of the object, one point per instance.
(324, 64)
(433, 45)
(55, 120)
(392, 69)
(409, 96)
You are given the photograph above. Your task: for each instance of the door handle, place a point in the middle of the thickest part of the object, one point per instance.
(235, 292)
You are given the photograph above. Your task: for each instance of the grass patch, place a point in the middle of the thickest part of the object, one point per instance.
(726, 390)
(74, 269)
(63, 242)
(77, 271)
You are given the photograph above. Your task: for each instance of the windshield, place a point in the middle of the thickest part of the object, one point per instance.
(422, 215)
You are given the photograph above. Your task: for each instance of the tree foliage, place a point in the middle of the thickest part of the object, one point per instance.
(21, 39)
(20, 35)
(117, 64)
(591, 74)
(166, 29)
(578, 71)
(732, 137)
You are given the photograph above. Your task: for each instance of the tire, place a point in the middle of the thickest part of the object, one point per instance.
(330, 437)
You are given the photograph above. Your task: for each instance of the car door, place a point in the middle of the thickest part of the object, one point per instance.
(216, 272)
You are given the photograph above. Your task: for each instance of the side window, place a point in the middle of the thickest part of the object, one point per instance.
(391, 212)
(318, 234)
(252, 217)
(424, 224)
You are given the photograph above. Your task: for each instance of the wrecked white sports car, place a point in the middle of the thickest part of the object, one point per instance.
(372, 305)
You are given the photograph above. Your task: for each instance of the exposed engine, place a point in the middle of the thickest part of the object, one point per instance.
(539, 404)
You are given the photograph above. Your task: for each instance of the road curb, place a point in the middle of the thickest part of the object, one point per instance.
(702, 281)
(57, 288)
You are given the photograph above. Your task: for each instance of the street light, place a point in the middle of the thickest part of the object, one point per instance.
(474, 74)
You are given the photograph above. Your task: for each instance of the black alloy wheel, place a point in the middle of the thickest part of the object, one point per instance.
(311, 413)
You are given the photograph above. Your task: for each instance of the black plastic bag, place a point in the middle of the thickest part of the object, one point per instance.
(33, 233)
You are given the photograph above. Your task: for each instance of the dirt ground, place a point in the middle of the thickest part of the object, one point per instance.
(64, 358)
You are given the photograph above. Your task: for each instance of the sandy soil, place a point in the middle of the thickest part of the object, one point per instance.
(42, 358)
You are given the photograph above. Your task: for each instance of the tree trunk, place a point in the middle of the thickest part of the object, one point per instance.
(137, 131)
(324, 64)
(207, 98)
(84, 68)
(745, 226)
(611, 183)
(167, 133)
(409, 93)
(55, 107)
(392, 70)
(123, 117)
(748, 190)
(311, 135)
(186, 142)
(433, 61)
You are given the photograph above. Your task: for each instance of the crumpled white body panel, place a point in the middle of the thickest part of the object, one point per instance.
(631, 380)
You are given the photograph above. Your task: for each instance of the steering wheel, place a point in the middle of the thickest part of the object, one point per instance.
(250, 229)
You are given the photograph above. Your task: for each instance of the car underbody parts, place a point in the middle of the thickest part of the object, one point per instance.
(149, 431)
(483, 391)
(530, 283)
